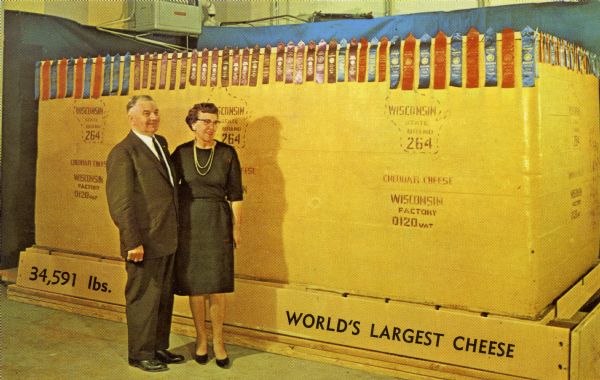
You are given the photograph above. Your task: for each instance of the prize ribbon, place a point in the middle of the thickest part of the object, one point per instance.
(146, 70)
(153, 70)
(45, 80)
(395, 45)
(425, 61)
(225, 67)
(279, 61)
(254, 62)
(194, 68)
(561, 53)
(341, 66)
(289, 62)
(320, 66)
(299, 66)
(214, 67)
(266, 64)
(408, 62)
(508, 58)
(352, 63)
(372, 65)
(528, 56)
(53, 78)
(235, 67)
(456, 60)
(36, 88)
(473, 58)
(136, 72)
(382, 55)
(107, 66)
(183, 75)
(70, 77)
(439, 61)
(173, 76)
(552, 52)
(310, 61)
(116, 70)
(362, 59)
(62, 78)
(331, 61)
(204, 68)
(79, 78)
(163, 70)
(126, 68)
(97, 77)
(87, 80)
(245, 67)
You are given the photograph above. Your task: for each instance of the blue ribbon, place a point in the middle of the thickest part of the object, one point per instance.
(395, 44)
(87, 81)
(425, 61)
(53, 76)
(106, 88)
(372, 68)
(70, 77)
(341, 71)
(528, 56)
(116, 69)
(36, 89)
(456, 60)
(126, 74)
(491, 65)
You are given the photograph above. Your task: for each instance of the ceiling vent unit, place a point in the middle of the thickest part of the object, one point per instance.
(167, 16)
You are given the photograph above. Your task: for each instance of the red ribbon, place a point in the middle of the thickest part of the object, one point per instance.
(78, 92)
(383, 53)
(332, 62)
(362, 59)
(439, 61)
(408, 62)
(45, 80)
(62, 78)
(473, 58)
(266, 64)
(98, 66)
(508, 58)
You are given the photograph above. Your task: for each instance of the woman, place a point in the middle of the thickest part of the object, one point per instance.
(210, 191)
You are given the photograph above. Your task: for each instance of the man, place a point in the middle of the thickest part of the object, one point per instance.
(142, 200)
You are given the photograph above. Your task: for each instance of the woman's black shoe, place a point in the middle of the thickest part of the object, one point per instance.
(223, 363)
(201, 359)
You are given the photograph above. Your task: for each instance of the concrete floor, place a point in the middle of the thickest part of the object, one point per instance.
(42, 343)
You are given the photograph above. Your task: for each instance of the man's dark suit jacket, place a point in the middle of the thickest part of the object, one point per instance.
(141, 200)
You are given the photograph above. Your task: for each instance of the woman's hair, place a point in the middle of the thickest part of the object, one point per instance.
(192, 115)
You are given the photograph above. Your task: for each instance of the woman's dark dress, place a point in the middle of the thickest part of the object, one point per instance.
(204, 260)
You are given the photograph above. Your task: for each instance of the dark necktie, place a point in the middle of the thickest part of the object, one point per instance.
(160, 156)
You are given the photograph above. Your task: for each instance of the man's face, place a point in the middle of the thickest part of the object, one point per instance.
(144, 117)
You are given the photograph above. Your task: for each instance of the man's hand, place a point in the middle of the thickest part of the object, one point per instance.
(136, 255)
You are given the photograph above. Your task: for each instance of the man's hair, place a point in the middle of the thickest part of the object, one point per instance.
(192, 115)
(136, 98)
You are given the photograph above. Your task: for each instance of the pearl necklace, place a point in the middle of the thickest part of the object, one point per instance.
(208, 165)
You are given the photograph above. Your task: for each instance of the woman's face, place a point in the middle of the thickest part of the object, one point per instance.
(206, 127)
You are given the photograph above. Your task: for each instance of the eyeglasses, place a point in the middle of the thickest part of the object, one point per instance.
(209, 122)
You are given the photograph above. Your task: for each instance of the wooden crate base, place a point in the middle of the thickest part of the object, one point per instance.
(384, 336)
(371, 361)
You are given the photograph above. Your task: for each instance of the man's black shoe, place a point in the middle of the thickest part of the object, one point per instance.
(151, 365)
(168, 358)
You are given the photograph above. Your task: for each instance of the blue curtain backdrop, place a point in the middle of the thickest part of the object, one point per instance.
(575, 22)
